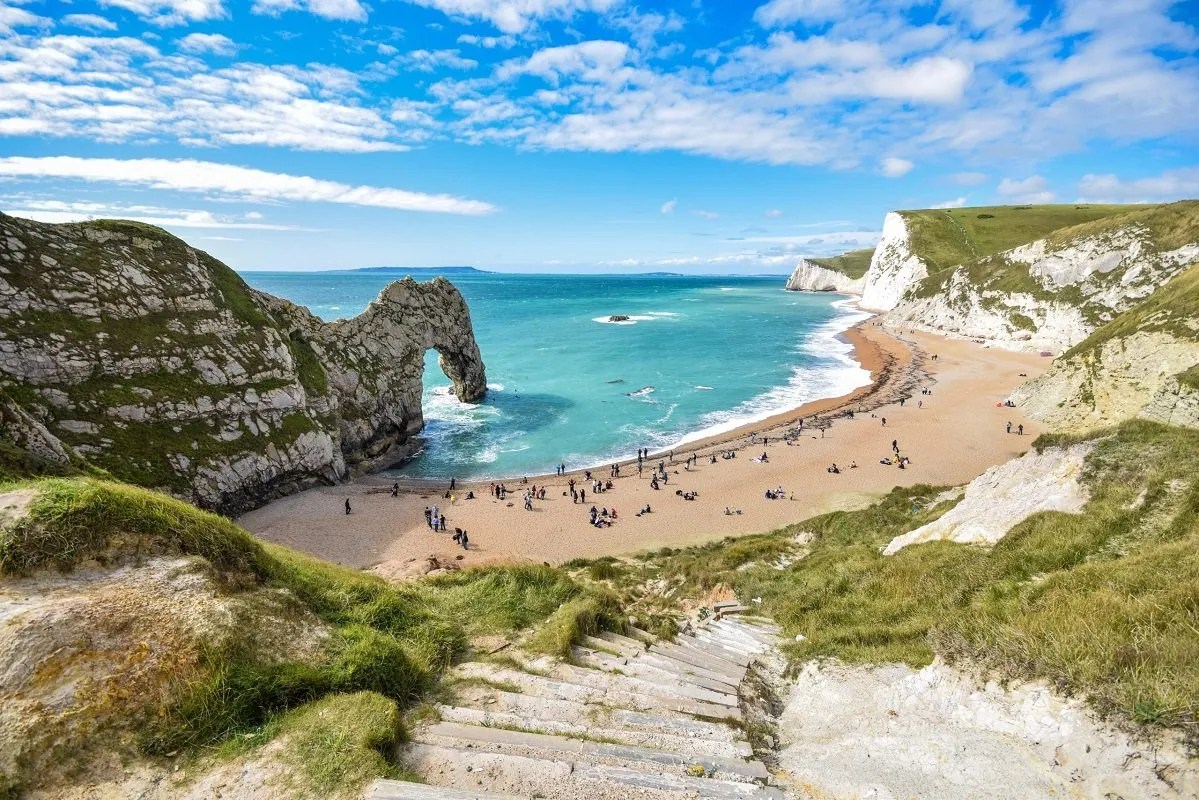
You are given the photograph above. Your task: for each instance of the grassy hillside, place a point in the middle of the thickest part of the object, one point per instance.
(387, 643)
(947, 237)
(1102, 603)
(854, 263)
(1169, 226)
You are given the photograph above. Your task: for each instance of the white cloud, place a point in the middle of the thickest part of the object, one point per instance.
(93, 22)
(207, 177)
(1033, 189)
(772, 213)
(350, 10)
(488, 42)
(120, 89)
(709, 215)
(957, 202)
(669, 206)
(969, 178)
(58, 211)
(893, 167)
(171, 12)
(515, 16)
(433, 60)
(12, 18)
(1175, 184)
(785, 12)
(213, 43)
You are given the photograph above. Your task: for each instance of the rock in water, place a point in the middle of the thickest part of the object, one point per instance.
(618, 318)
(124, 348)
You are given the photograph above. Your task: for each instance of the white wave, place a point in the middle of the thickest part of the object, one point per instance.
(644, 390)
(495, 387)
(703, 388)
(841, 375)
(633, 319)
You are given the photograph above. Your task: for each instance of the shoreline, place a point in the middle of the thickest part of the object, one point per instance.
(870, 355)
(950, 436)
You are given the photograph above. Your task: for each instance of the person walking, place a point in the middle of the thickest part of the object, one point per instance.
(1009, 426)
(1020, 429)
(347, 506)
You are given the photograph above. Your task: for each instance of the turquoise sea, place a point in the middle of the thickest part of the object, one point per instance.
(699, 355)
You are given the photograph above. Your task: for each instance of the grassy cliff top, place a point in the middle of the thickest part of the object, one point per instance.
(854, 263)
(947, 237)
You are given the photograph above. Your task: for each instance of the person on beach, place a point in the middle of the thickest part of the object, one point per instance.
(1009, 426)
(347, 506)
(395, 489)
(884, 422)
(428, 517)
(453, 483)
(1020, 429)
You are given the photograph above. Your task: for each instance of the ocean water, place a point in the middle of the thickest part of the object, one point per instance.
(697, 356)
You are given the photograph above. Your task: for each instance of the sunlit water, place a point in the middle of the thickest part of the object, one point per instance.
(697, 356)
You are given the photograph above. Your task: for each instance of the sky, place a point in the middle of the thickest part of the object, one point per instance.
(697, 136)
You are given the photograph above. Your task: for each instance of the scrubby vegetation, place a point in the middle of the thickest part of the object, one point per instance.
(387, 645)
(1104, 603)
(854, 263)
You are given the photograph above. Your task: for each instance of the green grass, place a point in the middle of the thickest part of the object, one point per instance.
(854, 263)
(945, 238)
(387, 639)
(1104, 603)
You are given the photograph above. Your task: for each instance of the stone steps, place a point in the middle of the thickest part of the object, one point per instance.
(560, 779)
(571, 712)
(452, 734)
(628, 736)
(630, 717)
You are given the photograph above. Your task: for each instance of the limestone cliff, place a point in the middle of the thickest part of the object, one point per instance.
(1144, 363)
(1051, 293)
(894, 267)
(844, 273)
(123, 348)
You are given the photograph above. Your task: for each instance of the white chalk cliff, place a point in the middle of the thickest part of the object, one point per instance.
(893, 268)
(811, 277)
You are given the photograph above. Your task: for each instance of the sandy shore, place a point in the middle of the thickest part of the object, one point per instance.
(950, 435)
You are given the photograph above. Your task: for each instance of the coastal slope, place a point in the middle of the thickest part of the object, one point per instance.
(125, 350)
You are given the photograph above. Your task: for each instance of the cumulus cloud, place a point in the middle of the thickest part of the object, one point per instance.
(957, 202)
(1033, 189)
(228, 180)
(785, 12)
(1176, 184)
(92, 22)
(350, 10)
(894, 167)
(772, 213)
(515, 16)
(669, 206)
(708, 215)
(171, 12)
(213, 43)
(12, 18)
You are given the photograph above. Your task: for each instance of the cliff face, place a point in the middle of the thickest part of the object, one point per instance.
(1145, 363)
(811, 277)
(1053, 292)
(893, 268)
(123, 348)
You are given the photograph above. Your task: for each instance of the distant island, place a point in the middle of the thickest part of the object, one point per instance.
(412, 270)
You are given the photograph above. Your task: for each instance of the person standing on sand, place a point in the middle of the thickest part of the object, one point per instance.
(1020, 429)
(1009, 426)
(347, 506)
(428, 516)
(884, 422)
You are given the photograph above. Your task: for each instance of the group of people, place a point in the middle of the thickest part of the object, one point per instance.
(602, 518)
(776, 494)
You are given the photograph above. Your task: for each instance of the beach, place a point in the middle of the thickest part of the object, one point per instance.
(951, 435)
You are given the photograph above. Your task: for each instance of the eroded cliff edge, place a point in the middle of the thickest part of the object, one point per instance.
(124, 349)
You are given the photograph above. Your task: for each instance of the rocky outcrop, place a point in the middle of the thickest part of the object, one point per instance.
(1144, 363)
(811, 277)
(1051, 293)
(937, 733)
(894, 267)
(1006, 495)
(125, 349)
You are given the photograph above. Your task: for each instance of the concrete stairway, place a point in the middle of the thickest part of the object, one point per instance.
(632, 717)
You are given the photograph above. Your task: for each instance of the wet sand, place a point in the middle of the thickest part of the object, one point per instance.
(951, 436)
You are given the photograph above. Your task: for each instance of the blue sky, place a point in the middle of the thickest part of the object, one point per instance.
(561, 135)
